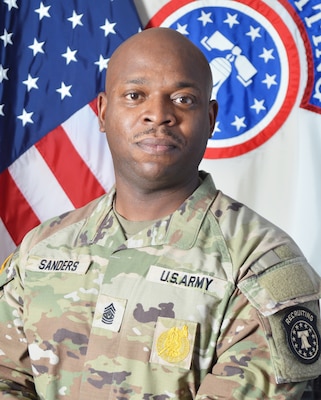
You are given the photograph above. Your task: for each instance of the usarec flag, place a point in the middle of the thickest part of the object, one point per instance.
(266, 62)
(53, 59)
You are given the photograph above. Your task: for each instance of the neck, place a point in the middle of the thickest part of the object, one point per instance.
(137, 204)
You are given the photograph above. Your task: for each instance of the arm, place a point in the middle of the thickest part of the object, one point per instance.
(16, 381)
(254, 359)
(244, 367)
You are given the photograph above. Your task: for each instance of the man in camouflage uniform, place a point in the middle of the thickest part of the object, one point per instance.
(165, 288)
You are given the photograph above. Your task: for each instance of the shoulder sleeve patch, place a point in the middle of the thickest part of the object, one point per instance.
(293, 335)
(302, 334)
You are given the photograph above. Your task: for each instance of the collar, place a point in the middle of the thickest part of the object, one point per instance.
(180, 229)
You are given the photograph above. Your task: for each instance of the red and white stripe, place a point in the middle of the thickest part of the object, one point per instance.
(64, 170)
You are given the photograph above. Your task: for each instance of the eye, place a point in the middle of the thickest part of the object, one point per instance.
(132, 96)
(184, 100)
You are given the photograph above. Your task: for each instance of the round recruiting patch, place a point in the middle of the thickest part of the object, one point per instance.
(302, 335)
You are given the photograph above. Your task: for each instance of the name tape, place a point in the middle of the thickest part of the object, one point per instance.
(182, 279)
(59, 265)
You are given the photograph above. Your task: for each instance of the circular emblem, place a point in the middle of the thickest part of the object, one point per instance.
(173, 345)
(302, 335)
(254, 62)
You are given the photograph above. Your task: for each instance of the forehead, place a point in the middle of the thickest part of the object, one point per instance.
(158, 65)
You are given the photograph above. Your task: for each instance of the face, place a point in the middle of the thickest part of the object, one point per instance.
(156, 114)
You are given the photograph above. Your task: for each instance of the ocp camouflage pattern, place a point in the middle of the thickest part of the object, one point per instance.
(189, 308)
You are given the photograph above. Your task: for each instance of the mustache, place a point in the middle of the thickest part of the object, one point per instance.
(162, 131)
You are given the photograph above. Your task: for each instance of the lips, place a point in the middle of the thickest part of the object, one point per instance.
(155, 145)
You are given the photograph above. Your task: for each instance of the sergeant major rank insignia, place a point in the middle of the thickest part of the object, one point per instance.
(109, 312)
(302, 335)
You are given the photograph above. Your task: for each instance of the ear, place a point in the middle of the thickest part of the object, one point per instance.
(101, 106)
(213, 109)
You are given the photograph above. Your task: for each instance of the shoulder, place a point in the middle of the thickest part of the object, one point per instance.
(252, 240)
(66, 225)
(57, 237)
(235, 217)
(270, 268)
(277, 280)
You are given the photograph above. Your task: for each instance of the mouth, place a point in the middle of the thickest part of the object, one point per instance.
(155, 145)
(159, 142)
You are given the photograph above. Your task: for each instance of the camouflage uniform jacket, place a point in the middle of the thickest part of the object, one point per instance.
(211, 302)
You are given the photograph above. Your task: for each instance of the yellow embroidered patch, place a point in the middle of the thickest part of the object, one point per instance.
(173, 345)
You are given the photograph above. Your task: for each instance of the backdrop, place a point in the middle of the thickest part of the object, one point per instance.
(266, 146)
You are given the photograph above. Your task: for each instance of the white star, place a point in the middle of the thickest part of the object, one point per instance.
(231, 20)
(254, 33)
(6, 37)
(43, 11)
(102, 63)
(36, 47)
(267, 55)
(258, 105)
(182, 29)
(31, 83)
(108, 27)
(216, 128)
(64, 90)
(70, 55)
(238, 122)
(1, 109)
(269, 80)
(11, 3)
(3, 73)
(75, 19)
(25, 117)
(205, 18)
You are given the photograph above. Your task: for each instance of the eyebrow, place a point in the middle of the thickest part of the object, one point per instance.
(179, 85)
(137, 81)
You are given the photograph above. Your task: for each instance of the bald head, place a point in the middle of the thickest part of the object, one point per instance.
(162, 45)
(157, 112)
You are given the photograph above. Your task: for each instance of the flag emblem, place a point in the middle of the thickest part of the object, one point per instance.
(255, 68)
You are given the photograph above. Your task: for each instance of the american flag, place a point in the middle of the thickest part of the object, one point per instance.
(53, 59)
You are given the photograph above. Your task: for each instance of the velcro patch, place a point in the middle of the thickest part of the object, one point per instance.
(303, 337)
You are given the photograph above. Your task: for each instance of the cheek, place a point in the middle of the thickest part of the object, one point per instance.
(118, 122)
(198, 128)
(199, 135)
(118, 134)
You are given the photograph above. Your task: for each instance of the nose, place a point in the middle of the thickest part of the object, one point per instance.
(159, 110)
